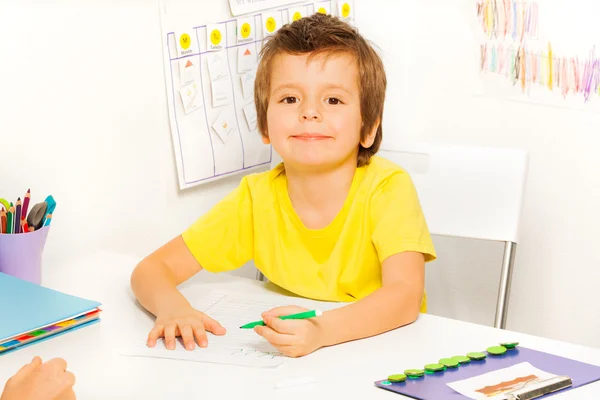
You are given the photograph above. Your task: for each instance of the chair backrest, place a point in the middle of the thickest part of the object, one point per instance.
(467, 191)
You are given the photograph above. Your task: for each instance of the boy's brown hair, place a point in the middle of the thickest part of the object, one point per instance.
(325, 35)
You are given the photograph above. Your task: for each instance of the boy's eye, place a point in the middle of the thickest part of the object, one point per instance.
(289, 100)
(333, 101)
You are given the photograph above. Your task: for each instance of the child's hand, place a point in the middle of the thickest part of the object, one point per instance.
(41, 381)
(292, 337)
(188, 323)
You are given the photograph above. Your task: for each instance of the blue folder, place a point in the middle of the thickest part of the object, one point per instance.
(26, 307)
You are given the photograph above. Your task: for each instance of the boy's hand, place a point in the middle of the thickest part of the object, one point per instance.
(41, 381)
(292, 337)
(188, 323)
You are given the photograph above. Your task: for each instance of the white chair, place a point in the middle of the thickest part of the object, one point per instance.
(469, 192)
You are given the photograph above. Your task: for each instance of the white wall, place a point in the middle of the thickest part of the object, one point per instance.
(83, 98)
(89, 75)
(432, 67)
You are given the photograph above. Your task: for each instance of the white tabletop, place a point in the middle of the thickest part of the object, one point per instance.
(342, 372)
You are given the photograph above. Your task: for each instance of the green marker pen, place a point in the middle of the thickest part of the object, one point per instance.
(302, 315)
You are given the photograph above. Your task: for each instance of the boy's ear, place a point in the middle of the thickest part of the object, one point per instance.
(370, 138)
(265, 139)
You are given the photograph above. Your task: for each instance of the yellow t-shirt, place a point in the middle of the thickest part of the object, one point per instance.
(381, 216)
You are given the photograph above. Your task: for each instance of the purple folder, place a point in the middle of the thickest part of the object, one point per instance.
(434, 386)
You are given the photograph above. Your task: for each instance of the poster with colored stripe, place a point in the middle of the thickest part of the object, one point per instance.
(542, 52)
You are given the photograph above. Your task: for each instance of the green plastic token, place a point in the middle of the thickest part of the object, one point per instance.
(386, 383)
(449, 362)
(414, 373)
(496, 350)
(397, 378)
(434, 367)
(510, 345)
(462, 359)
(476, 355)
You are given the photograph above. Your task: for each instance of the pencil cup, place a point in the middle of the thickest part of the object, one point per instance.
(21, 254)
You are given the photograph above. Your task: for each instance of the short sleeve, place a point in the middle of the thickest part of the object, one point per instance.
(397, 220)
(223, 238)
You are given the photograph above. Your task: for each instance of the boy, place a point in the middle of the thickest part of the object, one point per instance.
(332, 222)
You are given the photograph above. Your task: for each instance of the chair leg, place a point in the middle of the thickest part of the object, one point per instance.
(504, 287)
(260, 277)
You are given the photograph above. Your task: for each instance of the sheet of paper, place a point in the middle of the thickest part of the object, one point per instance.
(191, 97)
(215, 36)
(241, 347)
(220, 92)
(271, 22)
(247, 58)
(239, 7)
(217, 66)
(250, 114)
(248, 84)
(186, 70)
(224, 125)
(245, 30)
(493, 385)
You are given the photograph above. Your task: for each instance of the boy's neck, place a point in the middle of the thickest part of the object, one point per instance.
(320, 188)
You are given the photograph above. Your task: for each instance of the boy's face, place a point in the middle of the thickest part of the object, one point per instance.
(313, 116)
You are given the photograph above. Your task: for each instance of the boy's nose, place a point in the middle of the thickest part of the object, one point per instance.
(310, 114)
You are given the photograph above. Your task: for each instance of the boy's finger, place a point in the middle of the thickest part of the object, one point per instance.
(69, 379)
(170, 336)
(286, 326)
(154, 335)
(187, 335)
(212, 326)
(27, 368)
(57, 364)
(200, 335)
(273, 337)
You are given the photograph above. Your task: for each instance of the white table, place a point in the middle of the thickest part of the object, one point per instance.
(342, 372)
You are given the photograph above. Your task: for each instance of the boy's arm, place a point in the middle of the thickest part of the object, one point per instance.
(154, 280)
(395, 304)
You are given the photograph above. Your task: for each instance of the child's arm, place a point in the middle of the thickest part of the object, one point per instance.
(395, 304)
(154, 283)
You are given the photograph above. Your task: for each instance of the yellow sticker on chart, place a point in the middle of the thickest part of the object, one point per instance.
(296, 13)
(185, 42)
(245, 30)
(345, 9)
(271, 25)
(215, 36)
(323, 7)
(271, 22)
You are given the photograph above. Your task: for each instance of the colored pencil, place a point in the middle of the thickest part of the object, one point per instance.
(18, 216)
(26, 200)
(48, 220)
(24, 225)
(3, 221)
(9, 219)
